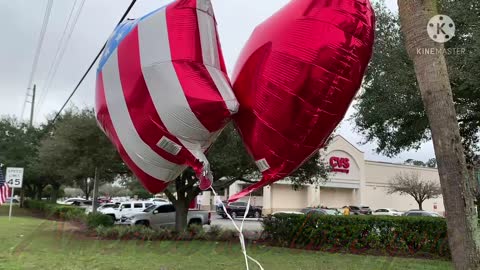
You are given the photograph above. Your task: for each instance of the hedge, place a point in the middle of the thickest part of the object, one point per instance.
(417, 236)
(194, 232)
(53, 210)
(99, 219)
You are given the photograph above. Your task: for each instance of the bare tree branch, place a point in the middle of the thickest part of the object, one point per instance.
(411, 184)
(193, 194)
(170, 195)
(220, 184)
(190, 184)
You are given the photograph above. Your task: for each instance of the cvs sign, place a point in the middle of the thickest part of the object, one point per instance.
(340, 164)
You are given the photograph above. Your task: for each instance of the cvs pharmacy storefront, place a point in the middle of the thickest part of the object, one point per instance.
(353, 181)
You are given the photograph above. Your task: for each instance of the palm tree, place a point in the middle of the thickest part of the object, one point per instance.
(434, 84)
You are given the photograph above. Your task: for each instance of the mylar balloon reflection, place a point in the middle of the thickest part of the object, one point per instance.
(296, 78)
(162, 93)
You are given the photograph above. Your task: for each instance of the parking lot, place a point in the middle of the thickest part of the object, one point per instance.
(250, 224)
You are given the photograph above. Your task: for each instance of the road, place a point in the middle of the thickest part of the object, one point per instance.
(250, 224)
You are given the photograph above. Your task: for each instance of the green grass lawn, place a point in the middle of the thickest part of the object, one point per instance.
(32, 243)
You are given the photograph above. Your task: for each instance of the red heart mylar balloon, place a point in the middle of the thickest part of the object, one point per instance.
(296, 78)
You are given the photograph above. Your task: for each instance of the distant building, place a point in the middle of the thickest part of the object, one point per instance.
(354, 181)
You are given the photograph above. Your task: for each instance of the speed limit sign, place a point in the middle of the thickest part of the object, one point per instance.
(14, 177)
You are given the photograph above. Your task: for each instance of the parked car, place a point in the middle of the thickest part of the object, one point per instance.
(313, 211)
(159, 200)
(359, 210)
(14, 200)
(387, 212)
(287, 212)
(160, 216)
(127, 209)
(102, 200)
(320, 211)
(333, 211)
(120, 199)
(237, 209)
(103, 207)
(71, 201)
(421, 213)
(83, 203)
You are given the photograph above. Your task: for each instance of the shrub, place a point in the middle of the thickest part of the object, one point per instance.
(106, 232)
(406, 235)
(37, 205)
(196, 231)
(213, 232)
(53, 210)
(68, 213)
(98, 219)
(128, 232)
(149, 234)
(228, 235)
(166, 234)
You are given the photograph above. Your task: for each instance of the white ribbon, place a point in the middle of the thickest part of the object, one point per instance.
(240, 230)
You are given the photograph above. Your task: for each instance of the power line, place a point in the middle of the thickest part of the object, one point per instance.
(46, 18)
(62, 47)
(91, 65)
(53, 68)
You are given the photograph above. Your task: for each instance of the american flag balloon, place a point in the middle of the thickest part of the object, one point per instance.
(162, 94)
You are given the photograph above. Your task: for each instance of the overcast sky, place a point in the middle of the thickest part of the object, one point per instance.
(23, 18)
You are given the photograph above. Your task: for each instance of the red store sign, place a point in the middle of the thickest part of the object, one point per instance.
(340, 164)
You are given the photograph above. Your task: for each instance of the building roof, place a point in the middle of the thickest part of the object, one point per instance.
(343, 138)
(399, 165)
(338, 136)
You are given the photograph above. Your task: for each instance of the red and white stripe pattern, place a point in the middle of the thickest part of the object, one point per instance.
(163, 94)
(4, 189)
(4, 193)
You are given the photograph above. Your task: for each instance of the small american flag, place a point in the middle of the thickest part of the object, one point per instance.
(4, 189)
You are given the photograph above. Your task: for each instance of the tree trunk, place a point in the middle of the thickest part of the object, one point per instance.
(55, 191)
(181, 213)
(420, 205)
(22, 197)
(38, 194)
(434, 84)
(476, 181)
(30, 190)
(38, 191)
(478, 207)
(186, 192)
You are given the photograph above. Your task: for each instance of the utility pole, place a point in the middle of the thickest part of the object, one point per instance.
(33, 105)
(22, 190)
(95, 192)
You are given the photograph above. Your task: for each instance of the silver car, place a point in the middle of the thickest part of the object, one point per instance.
(421, 213)
(159, 216)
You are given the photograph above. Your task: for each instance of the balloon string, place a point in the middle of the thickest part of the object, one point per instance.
(240, 230)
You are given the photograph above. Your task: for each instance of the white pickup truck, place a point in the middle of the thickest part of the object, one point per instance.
(161, 216)
(128, 209)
